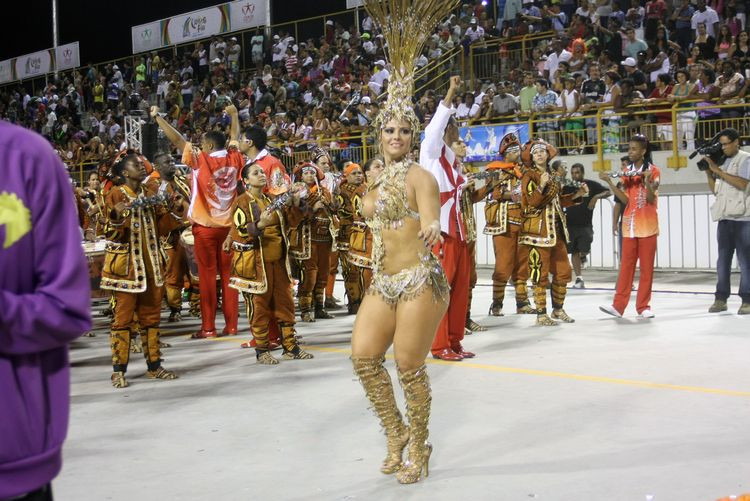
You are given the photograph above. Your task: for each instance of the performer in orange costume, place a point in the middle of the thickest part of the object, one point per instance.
(544, 230)
(311, 242)
(503, 218)
(350, 200)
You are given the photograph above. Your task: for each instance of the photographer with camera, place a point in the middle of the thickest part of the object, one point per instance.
(729, 179)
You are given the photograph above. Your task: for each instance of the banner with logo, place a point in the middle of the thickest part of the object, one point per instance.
(6, 71)
(195, 25)
(483, 141)
(146, 37)
(246, 14)
(34, 65)
(67, 56)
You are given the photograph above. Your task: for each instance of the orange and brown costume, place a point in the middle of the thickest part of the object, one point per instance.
(359, 250)
(134, 268)
(177, 268)
(311, 242)
(261, 270)
(503, 218)
(544, 231)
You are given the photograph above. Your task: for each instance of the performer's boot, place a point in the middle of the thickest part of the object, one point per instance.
(152, 353)
(320, 308)
(174, 300)
(379, 390)
(523, 307)
(305, 307)
(119, 341)
(416, 386)
(292, 351)
(558, 298)
(540, 298)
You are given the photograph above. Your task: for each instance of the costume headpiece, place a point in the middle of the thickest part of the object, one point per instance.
(318, 152)
(406, 25)
(509, 142)
(303, 167)
(351, 168)
(528, 150)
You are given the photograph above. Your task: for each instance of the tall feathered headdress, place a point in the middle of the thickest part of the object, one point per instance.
(406, 25)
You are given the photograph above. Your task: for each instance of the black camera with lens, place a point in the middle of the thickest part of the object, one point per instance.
(712, 150)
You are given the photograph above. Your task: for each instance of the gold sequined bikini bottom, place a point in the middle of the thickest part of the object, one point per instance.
(409, 283)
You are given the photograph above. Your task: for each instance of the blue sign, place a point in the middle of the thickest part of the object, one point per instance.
(483, 141)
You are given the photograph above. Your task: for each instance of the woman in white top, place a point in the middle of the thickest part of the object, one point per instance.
(610, 121)
(571, 116)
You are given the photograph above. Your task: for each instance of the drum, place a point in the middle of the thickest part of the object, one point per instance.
(95, 255)
(188, 242)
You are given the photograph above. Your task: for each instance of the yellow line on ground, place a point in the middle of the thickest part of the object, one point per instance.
(541, 373)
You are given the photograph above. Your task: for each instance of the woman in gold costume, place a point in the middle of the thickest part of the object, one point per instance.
(409, 293)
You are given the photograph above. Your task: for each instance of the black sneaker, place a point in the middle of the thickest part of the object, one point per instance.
(579, 284)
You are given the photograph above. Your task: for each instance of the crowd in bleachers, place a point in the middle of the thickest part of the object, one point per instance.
(602, 54)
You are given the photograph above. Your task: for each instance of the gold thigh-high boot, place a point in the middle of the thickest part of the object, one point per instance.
(416, 386)
(379, 389)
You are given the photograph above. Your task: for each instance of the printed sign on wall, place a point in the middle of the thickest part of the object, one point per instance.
(146, 37)
(34, 65)
(196, 25)
(67, 56)
(246, 14)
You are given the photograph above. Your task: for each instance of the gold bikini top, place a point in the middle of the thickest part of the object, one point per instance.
(391, 207)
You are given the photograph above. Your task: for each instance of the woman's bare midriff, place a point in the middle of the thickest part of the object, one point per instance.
(403, 248)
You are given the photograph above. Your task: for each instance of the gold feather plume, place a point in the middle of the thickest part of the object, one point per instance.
(406, 25)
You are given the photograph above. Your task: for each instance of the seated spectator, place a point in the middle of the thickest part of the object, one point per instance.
(505, 105)
(468, 108)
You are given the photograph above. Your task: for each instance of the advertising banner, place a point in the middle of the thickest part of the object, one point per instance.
(246, 14)
(6, 71)
(483, 141)
(34, 65)
(195, 25)
(146, 37)
(67, 56)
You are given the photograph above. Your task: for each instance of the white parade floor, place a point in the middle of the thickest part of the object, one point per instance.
(605, 408)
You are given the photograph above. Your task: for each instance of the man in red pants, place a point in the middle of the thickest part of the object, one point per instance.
(436, 155)
(216, 172)
(640, 228)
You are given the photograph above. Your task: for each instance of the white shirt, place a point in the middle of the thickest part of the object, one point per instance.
(464, 111)
(376, 81)
(553, 62)
(234, 53)
(709, 17)
(202, 57)
(439, 159)
(475, 34)
(279, 51)
(369, 47)
(113, 130)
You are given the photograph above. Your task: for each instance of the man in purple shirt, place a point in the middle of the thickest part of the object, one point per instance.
(44, 305)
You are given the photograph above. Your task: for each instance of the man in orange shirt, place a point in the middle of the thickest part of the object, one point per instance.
(640, 228)
(216, 172)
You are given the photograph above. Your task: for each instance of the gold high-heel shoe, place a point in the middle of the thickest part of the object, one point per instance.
(416, 386)
(379, 390)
